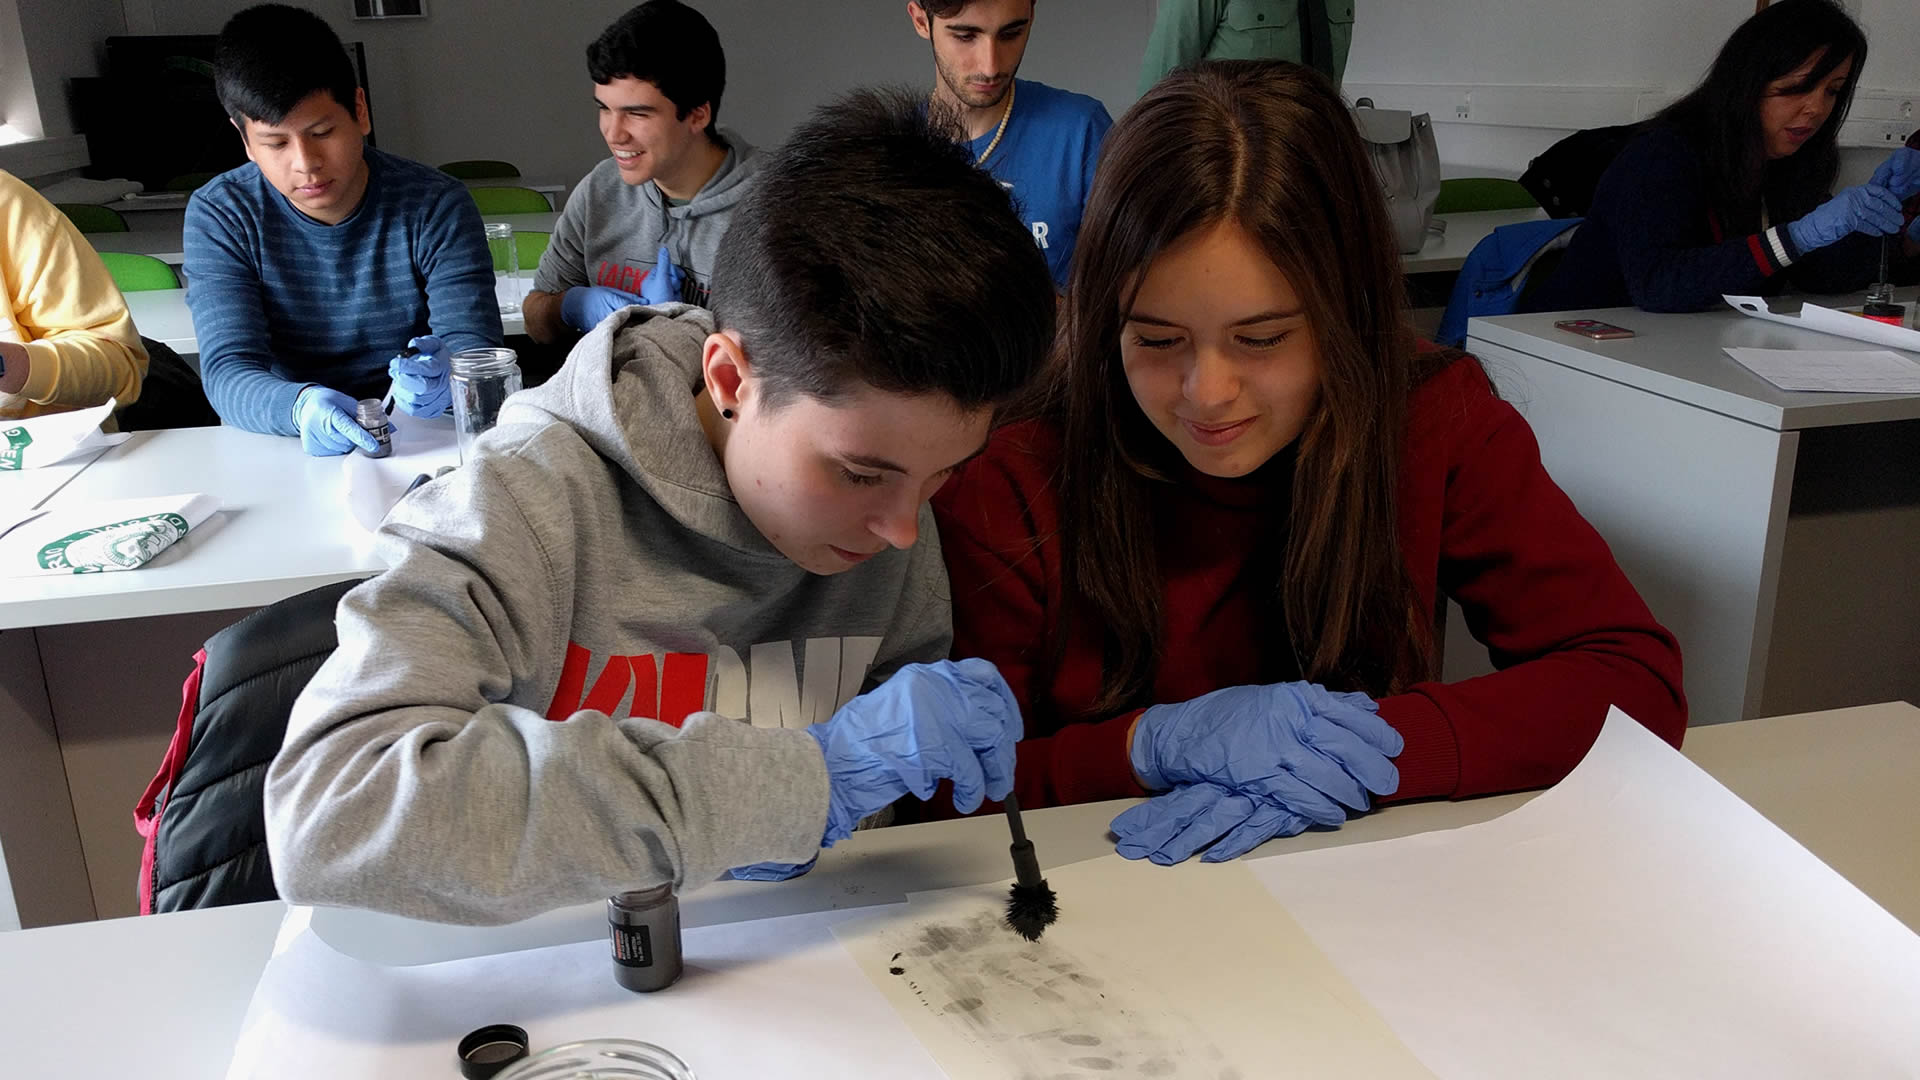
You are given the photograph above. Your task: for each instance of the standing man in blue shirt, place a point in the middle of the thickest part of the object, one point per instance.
(1039, 142)
(325, 268)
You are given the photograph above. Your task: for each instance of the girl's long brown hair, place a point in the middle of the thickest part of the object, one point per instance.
(1269, 146)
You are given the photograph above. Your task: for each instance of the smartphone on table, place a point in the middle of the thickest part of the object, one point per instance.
(1593, 328)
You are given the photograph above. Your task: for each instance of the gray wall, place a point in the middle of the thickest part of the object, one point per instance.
(507, 78)
(64, 39)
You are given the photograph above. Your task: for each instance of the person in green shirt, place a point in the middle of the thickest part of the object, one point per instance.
(1316, 33)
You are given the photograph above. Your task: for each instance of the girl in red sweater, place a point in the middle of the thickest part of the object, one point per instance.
(1212, 567)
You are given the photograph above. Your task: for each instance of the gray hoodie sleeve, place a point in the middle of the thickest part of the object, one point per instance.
(564, 264)
(922, 628)
(415, 780)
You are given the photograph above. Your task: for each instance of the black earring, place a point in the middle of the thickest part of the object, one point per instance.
(726, 414)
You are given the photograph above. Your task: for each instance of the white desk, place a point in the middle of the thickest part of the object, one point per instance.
(282, 529)
(90, 665)
(1447, 252)
(162, 315)
(1777, 534)
(174, 988)
(150, 237)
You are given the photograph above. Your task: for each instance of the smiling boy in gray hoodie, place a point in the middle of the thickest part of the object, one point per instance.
(684, 610)
(645, 225)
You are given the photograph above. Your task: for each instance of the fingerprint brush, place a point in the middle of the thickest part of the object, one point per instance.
(1032, 907)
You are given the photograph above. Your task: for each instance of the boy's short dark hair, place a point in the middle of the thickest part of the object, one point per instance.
(670, 45)
(871, 252)
(942, 9)
(272, 57)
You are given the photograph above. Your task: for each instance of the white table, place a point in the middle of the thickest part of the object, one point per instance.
(162, 315)
(174, 988)
(1777, 534)
(283, 529)
(1447, 252)
(90, 665)
(149, 237)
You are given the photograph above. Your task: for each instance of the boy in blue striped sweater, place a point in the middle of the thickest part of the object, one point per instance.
(311, 270)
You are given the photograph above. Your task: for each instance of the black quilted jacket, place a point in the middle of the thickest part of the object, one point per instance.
(210, 842)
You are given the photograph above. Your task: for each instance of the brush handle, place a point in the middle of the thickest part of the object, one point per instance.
(1012, 803)
(1026, 865)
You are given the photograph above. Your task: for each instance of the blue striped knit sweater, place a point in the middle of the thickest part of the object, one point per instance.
(281, 301)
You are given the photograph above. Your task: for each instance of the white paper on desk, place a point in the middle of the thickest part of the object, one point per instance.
(375, 485)
(39, 441)
(1875, 372)
(1188, 971)
(1829, 321)
(1637, 920)
(774, 997)
(103, 536)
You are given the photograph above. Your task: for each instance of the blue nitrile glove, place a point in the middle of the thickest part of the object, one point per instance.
(663, 284)
(1869, 209)
(771, 871)
(422, 385)
(1170, 828)
(328, 424)
(1294, 744)
(948, 720)
(583, 307)
(1900, 173)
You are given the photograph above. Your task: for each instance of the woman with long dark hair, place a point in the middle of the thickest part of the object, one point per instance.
(1727, 190)
(1212, 567)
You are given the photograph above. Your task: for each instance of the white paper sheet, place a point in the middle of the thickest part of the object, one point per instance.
(1830, 321)
(375, 485)
(777, 997)
(1190, 971)
(1637, 920)
(104, 536)
(1874, 372)
(40, 441)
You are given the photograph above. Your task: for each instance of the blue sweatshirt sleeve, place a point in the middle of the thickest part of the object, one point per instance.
(229, 318)
(453, 258)
(1654, 200)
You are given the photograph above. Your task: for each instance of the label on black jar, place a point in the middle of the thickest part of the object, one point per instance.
(633, 945)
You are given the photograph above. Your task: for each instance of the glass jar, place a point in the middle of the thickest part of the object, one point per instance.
(482, 381)
(601, 1059)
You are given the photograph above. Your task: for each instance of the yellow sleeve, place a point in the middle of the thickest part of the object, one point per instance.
(73, 322)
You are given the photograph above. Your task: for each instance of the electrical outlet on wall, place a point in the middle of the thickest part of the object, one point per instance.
(1463, 106)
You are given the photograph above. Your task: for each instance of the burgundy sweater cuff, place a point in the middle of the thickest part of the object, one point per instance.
(1430, 764)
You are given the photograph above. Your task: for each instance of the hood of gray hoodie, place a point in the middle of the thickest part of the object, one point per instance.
(627, 390)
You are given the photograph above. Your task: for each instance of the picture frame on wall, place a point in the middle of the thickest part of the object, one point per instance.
(389, 9)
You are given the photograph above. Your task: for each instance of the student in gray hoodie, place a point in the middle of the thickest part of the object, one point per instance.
(645, 225)
(685, 609)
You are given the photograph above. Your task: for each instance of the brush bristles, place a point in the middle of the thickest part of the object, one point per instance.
(1031, 910)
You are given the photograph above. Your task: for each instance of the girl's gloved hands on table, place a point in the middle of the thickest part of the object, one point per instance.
(1249, 763)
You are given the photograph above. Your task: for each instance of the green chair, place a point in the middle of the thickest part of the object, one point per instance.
(1469, 193)
(190, 181)
(510, 200)
(95, 219)
(139, 273)
(480, 169)
(530, 246)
